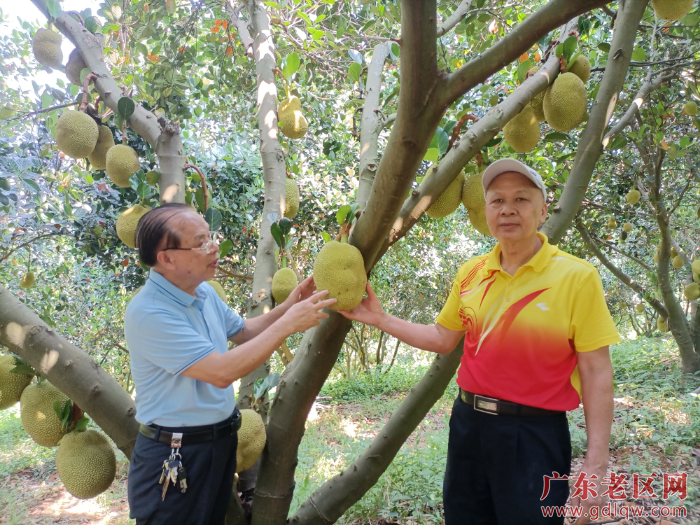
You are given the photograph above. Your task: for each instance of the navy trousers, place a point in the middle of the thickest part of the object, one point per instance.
(210, 466)
(496, 466)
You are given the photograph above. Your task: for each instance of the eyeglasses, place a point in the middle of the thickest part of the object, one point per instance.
(208, 247)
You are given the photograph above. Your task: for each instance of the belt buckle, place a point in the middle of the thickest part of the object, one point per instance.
(488, 405)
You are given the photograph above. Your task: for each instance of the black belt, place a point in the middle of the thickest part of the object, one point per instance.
(219, 430)
(495, 406)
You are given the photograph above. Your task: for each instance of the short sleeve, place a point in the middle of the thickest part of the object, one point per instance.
(233, 321)
(166, 340)
(591, 326)
(449, 315)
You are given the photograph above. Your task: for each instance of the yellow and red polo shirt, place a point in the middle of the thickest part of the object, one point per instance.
(523, 331)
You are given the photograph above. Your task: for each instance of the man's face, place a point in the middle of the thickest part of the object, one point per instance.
(514, 207)
(194, 233)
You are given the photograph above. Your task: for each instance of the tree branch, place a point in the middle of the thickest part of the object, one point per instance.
(233, 11)
(455, 18)
(590, 144)
(520, 39)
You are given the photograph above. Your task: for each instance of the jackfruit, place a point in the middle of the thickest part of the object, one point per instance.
(449, 200)
(251, 439)
(695, 266)
(661, 325)
(623, 235)
(691, 291)
(283, 282)
(122, 163)
(74, 66)
(292, 122)
(696, 278)
(656, 258)
(85, 463)
(627, 227)
(105, 141)
(340, 269)
(640, 308)
(218, 289)
(672, 9)
(633, 197)
(536, 105)
(522, 132)
(127, 222)
(478, 219)
(38, 415)
(27, 280)
(581, 68)
(76, 134)
(673, 252)
(473, 192)
(291, 199)
(11, 385)
(691, 108)
(46, 45)
(565, 102)
(612, 223)
(677, 262)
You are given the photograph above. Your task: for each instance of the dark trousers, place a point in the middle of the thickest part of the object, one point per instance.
(210, 466)
(496, 466)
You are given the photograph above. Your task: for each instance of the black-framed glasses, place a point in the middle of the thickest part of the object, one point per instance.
(208, 247)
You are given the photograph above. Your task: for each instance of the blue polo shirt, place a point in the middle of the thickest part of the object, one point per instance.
(168, 330)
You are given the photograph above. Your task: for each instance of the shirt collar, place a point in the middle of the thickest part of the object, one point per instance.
(537, 263)
(169, 288)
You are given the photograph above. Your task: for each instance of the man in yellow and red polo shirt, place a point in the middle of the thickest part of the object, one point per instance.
(536, 334)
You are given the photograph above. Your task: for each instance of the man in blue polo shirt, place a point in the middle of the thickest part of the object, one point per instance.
(178, 329)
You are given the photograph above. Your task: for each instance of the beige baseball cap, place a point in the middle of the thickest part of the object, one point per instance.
(504, 165)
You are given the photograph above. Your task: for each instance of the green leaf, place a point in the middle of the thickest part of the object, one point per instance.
(326, 237)
(395, 49)
(91, 24)
(604, 47)
(152, 177)
(58, 409)
(23, 369)
(225, 247)
(355, 55)
(354, 71)
(570, 45)
(291, 65)
(618, 142)
(199, 197)
(290, 243)
(559, 51)
(213, 218)
(342, 213)
(555, 136)
(31, 184)
(277, 234)
(81, 425)
(285, 225)
(54, 8)
(523, 68)
(440, 141)
(125, 108)
(84, 73)
(432, 155)
(573, 58)
(638, 55)
(198, 111)
(143, 190)
(46, 100)
(690, 20)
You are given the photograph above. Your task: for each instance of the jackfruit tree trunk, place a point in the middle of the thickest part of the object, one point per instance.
(677, 322)
(70, 369)
(590, 145)
(372, 124)
(622, 276)
(164, 137)
(338, 494)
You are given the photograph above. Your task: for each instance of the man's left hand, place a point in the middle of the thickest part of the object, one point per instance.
(303, 291)
(590, 502)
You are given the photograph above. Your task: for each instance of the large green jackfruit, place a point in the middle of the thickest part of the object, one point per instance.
(218, 289)
(522, 132)
(449, 200)
(27, 281)
(85, 463)
(76, 134)
(292, 122)
(565, 103)
(251, 439)
(74, 66)
(46, 45)
(291, 199)
(122, 163)
(38, 415)
(127, 223)
(105, 141)
(477, 218)
(691, 108)
(11, 385)
(691, 291)
(283, 282)
(536, 104)
(633, 197)
(581, 68)
(672, 9)
(340, 269)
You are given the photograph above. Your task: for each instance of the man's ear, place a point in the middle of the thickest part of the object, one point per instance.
(163, 259)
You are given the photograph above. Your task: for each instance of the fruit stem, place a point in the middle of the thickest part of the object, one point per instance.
(204, 185)
(344, 238)
(86, 88)
(284, 260)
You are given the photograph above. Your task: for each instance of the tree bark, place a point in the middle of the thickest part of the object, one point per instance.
(338, 494)
(590, 144)
(70, 370)
(166, 143)
(455, 18)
